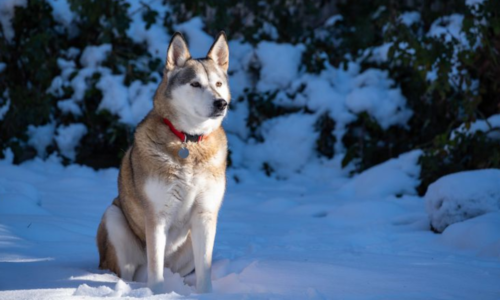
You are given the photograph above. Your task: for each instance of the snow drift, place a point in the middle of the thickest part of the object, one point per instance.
(461, 196)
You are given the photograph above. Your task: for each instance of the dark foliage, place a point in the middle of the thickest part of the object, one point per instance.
(466, 87)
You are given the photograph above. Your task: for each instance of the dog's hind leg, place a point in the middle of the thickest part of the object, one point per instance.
(119, 249)
(183, 260)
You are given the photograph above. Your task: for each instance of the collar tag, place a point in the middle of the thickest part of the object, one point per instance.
(183, 152)
(184, 137)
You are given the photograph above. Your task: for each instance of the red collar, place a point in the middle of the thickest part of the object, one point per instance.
(184, 137)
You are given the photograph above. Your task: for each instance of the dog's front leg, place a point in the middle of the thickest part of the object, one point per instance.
(203, 235)
(155, 244)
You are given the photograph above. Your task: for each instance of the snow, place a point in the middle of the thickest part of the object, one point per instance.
(69, 106)
(40, 137)
(474, 3)
(397, 176)
(340, 93)
(269, 30)
(282, 134)
(410, 17)
(333, 20)
(275, 240)
(236, 121)
(379, 54)
(461, 196)
(71, 53)
(114, 94)
(198, 41)
(130, 103)
(378, 12)
(79, 82)
(4, 109)
(310, 231)
(61, 12)
(491, 126)
(93, 56)
(241, 55)
(141, 99)
(480, 234)
(373, 94)
(68, 138)
(343, 94)
(155, 37)
(449, 28)
(67, 67)
(7, 8)
(432, 75)
(121, 289)
(279, 64)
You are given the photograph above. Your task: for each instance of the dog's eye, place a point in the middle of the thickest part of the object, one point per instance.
(195, 84)
(218, 84)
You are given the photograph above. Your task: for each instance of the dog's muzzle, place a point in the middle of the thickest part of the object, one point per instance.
(220, 106)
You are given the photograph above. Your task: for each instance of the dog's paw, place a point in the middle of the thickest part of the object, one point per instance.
(157, 287)
(205, 287)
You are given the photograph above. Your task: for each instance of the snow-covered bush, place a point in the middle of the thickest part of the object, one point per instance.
(461, 196)
(447, 64)
(313, 82)
(80, 67)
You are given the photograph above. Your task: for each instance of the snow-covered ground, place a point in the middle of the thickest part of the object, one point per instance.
(309, 232)
(295, 239)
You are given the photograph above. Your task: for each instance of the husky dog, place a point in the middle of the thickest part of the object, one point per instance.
(172, 179)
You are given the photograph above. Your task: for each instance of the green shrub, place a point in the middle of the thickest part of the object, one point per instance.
(465, 88)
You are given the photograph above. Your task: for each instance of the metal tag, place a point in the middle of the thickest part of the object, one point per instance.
(183, 153)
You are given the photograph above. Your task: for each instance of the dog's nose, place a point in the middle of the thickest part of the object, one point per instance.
(220, 104)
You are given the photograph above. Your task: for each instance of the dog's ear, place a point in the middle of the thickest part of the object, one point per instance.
(219, 52)
(177, 53)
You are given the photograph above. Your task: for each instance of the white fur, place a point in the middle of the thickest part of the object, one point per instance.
(203, 237)
(166, 206)
(156, 241)
(177, 53)
(223, 90)
(129, 253)
(194, 106)
(157, 192)
(197, 211)
(220, 52)
(203, 227)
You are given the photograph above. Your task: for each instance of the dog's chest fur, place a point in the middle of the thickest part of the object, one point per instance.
(177, 188)
(176, 199)
(174, 203)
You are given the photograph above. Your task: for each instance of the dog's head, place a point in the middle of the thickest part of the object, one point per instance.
(194, 93)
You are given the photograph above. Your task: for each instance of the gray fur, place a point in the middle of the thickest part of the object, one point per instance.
(188, 74)
(184, 76)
